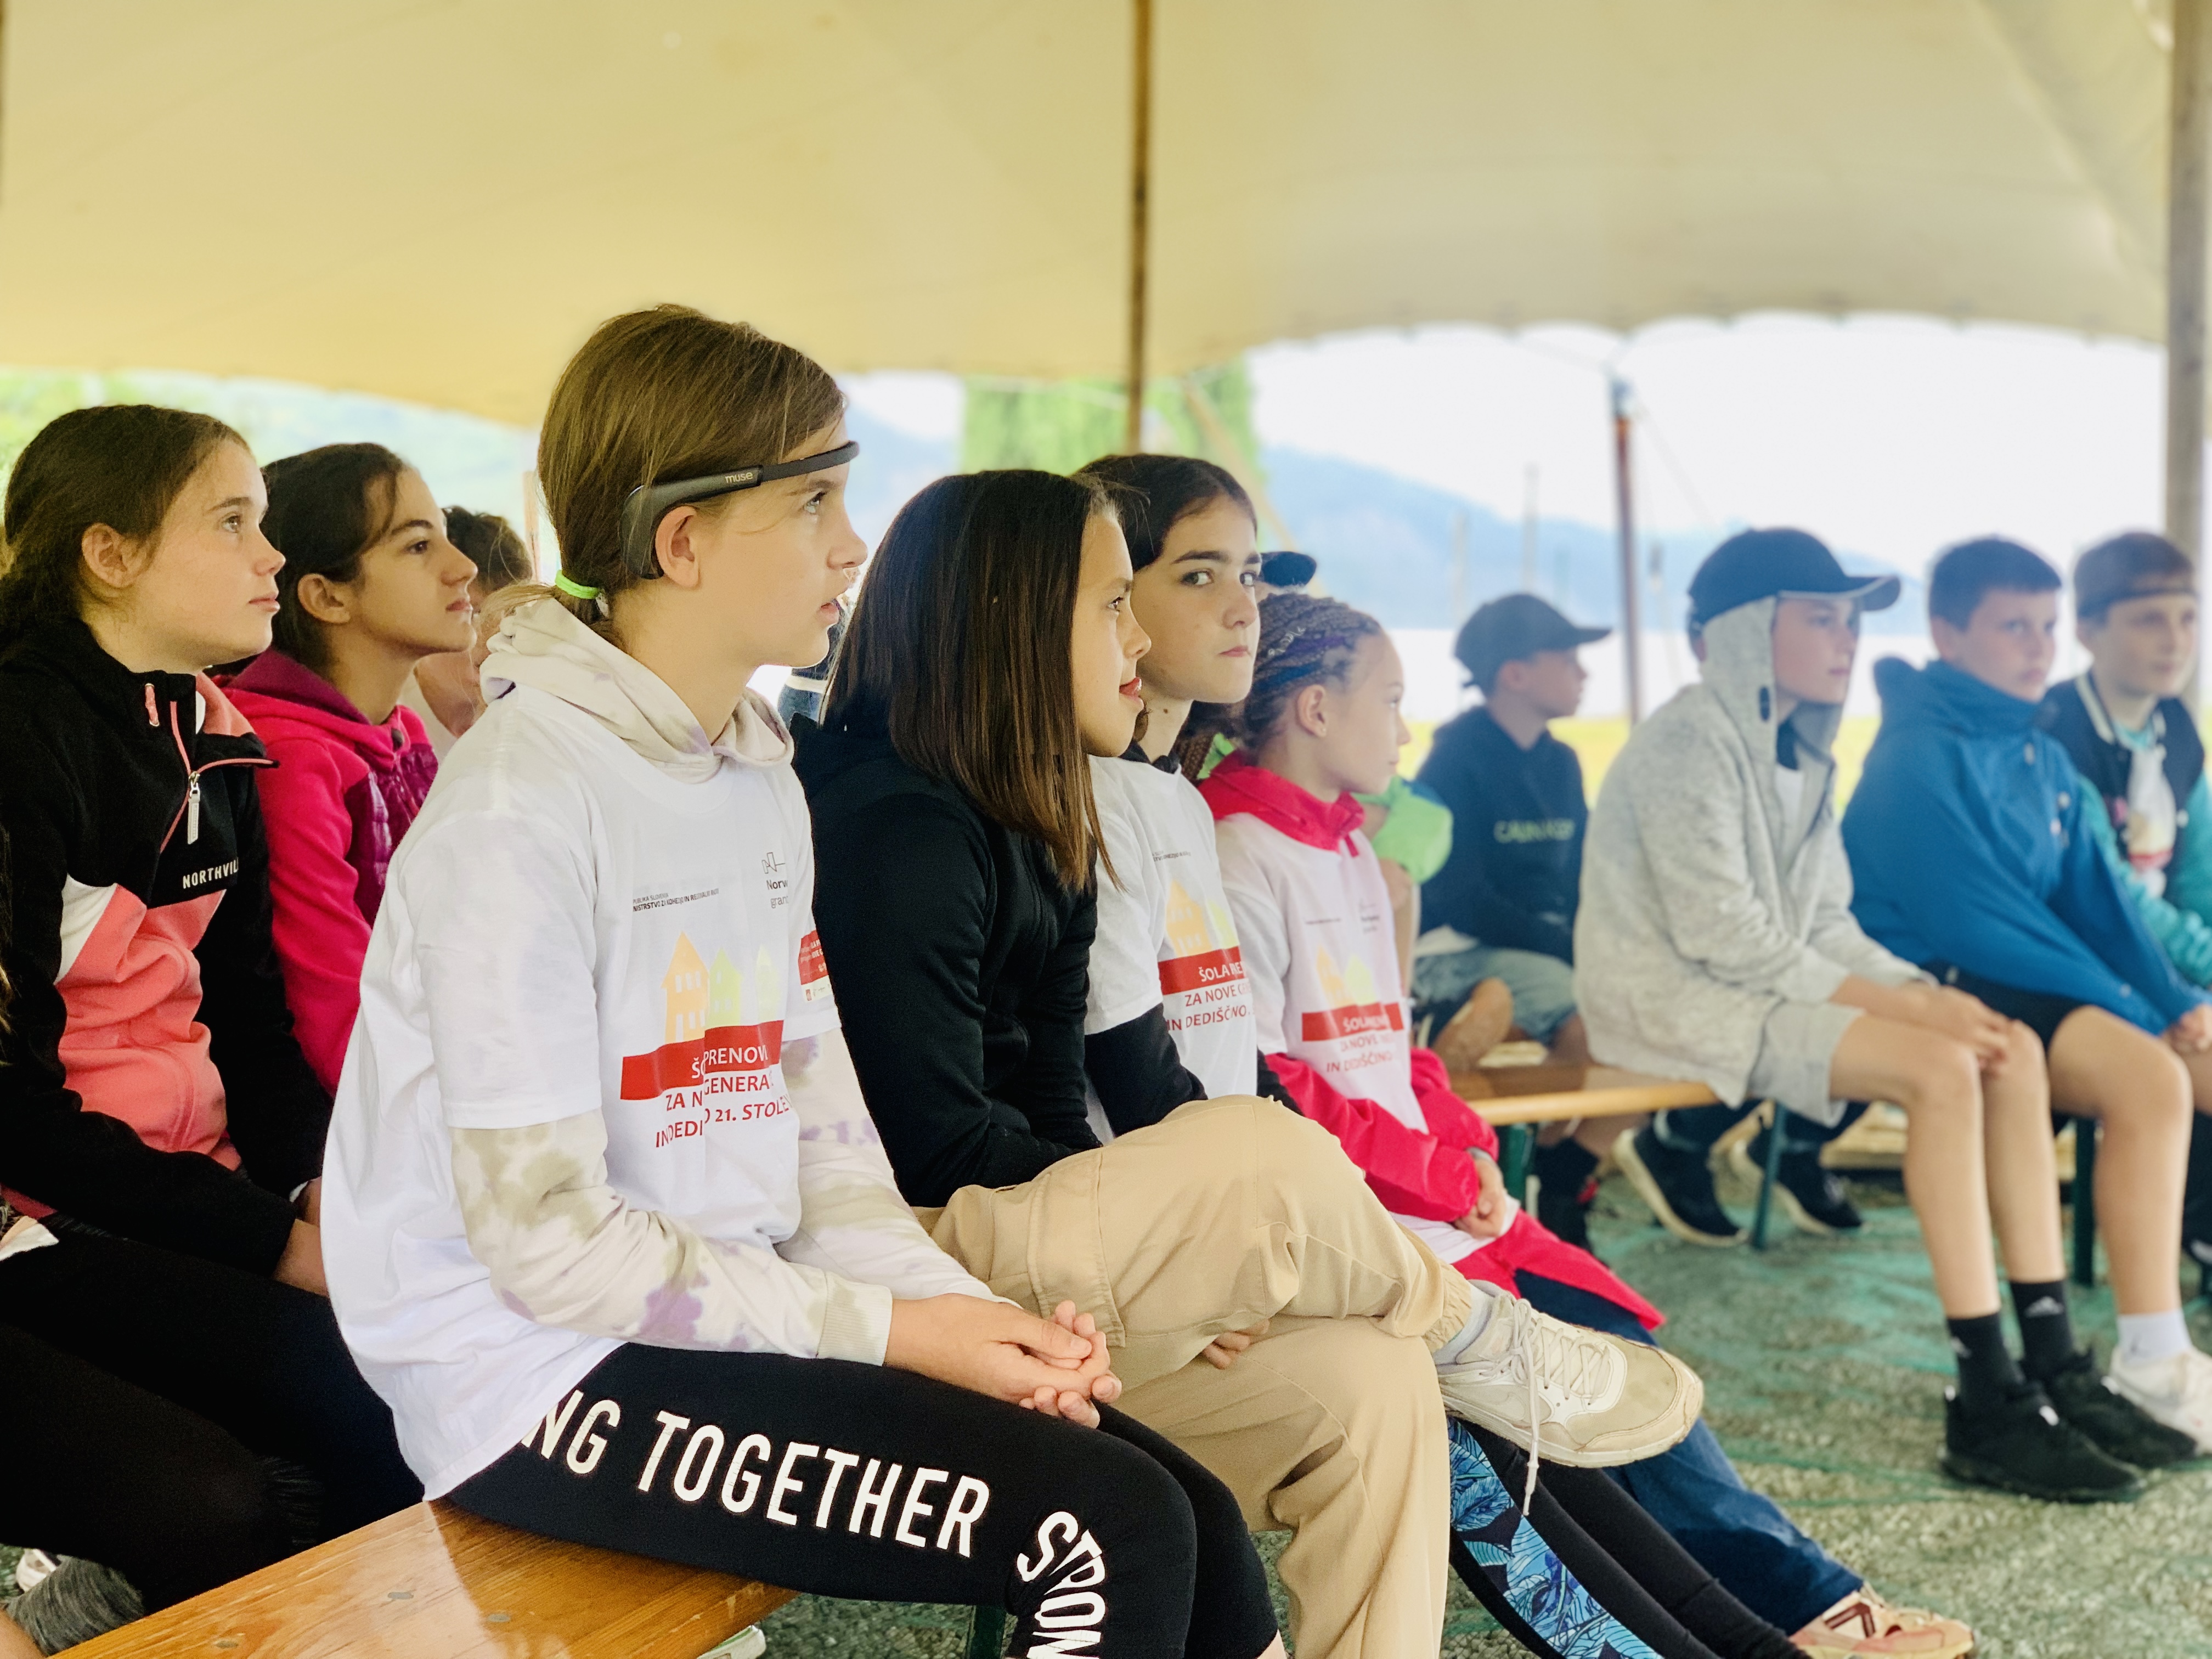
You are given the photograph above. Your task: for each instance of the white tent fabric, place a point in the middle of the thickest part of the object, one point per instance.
(436, 199)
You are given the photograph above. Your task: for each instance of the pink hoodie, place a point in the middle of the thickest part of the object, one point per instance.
(341, 795)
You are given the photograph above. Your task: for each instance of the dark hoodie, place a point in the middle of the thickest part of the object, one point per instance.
(960, 963)
(1967, 848)
(1514, 874)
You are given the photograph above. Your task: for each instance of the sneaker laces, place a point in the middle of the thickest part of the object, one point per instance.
(1541, 1347)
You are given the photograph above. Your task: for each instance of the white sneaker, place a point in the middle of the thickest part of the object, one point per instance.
(1579, 1397)
(2176, 1391)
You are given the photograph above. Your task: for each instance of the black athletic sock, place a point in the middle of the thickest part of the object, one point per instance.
(1985, 1369)
(1565, 1166)
(2047, 1331)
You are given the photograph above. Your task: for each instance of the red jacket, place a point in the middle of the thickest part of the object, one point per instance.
(1426, 1171)
(342, 794)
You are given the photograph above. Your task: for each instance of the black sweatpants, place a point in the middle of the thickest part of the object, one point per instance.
(1627, 1561)
(107, 1471)
(869, 1484)
(261, 1360)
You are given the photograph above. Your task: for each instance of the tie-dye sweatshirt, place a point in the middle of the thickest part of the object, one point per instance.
(597, 1093)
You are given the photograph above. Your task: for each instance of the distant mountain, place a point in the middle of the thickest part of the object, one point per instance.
(893, 466)
(1385, 544)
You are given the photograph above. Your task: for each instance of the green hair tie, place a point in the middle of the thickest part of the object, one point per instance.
(574, 590)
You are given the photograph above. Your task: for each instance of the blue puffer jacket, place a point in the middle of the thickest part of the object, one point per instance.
(1967, 846)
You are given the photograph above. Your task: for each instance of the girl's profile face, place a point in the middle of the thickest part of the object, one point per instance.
(412, 594)
(1198, 602)
(1361, 731)
(1106, 642)
(778, 558)
(205, 591)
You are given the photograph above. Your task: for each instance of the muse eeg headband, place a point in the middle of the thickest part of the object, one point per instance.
(648, 504)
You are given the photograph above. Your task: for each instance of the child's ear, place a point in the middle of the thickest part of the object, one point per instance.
(1310, 709)
(320, 598)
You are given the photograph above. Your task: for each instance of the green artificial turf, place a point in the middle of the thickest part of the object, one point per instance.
(1824, 1363)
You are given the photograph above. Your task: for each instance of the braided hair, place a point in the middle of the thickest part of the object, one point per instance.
(1304, 640)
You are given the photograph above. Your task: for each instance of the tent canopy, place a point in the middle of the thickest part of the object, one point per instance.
(436, 199)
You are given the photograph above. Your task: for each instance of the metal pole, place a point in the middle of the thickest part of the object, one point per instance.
(2190, 117)
(1141, 220)
(1631, 642)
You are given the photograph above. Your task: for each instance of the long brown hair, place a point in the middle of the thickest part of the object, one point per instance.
(655, 395)
(119, 464)
(959, 649)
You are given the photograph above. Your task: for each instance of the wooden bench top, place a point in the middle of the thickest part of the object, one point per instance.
(436, 1583)
(1543, 1094)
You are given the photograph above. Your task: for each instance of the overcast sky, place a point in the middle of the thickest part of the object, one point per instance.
(1887, 436)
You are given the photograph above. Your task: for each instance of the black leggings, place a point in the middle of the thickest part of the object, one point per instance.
(261, 1360)
(120, 1476)
(1635, 1571)
(868, 1484)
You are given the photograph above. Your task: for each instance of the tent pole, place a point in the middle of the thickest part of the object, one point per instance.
(2190, 117)
(1140, 185)
(1631, 643)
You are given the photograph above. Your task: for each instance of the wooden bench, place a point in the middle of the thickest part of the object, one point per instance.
(436, 1583)
(1513, 1099)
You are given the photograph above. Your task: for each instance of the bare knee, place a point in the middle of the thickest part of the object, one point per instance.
(1941, 1077)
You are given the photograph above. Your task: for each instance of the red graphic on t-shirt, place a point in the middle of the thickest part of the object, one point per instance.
(718, 1049)
(1351, 1020)
(1196, 972)
(813, 971)
(704, 1031)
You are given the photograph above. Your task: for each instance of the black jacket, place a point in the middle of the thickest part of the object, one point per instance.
(109, 868)
(2104, 766)
(960, 963)
(1514, 878)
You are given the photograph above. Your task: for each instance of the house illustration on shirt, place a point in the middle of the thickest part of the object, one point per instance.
(725, 990)
(1355, 1001)
(685, 988)
(1193, 928)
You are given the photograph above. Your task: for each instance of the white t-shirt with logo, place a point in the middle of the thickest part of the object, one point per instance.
(565, 929)
(1166, 937)
(1321, 955)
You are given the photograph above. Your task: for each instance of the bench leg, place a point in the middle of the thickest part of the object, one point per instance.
(2085, 1202)
(1764, 1210)
(986, 1637)
(1516, 1144)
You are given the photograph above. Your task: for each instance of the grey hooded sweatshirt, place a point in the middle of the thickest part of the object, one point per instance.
(1715, 923)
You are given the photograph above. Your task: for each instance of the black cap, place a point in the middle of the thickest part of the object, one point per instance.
(1519, 625)
(1287, 570)
(1766, 564)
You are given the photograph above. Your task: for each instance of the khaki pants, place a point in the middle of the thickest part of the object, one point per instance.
(1228, 1213)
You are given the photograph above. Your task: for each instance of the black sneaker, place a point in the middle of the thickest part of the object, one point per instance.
(2019, 1444)
(1678, 1184)
(2119, 1427)
(1815, 1200)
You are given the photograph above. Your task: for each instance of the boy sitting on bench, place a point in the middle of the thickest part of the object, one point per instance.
(1716, 941)
(1972, 855)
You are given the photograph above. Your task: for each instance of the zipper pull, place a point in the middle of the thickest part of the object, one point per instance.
(193, 810)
